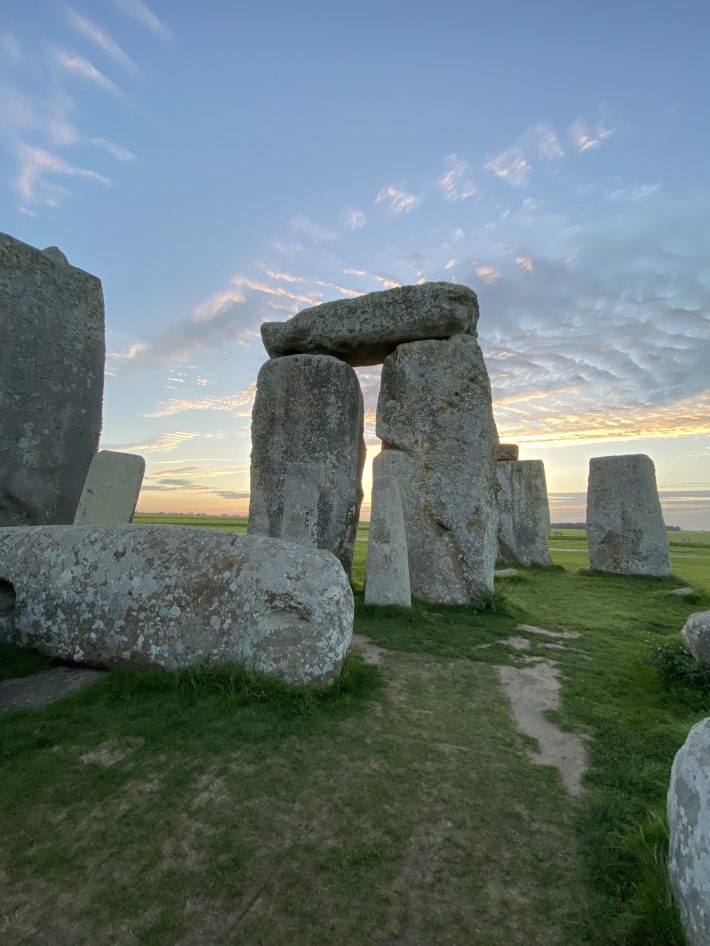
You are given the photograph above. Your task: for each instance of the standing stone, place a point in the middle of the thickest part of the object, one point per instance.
(363, 331)
(696, 636)
(308, 409)
(387, 571)
(301, 495)
(508, 451)
(689, 833)
(51, 382)
(625, 529)
(524, 510)
(111, 489)
(439, 438)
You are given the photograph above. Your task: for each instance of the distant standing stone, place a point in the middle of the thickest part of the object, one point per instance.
(308, 410)
(508, 451)
(301, 496)
(439, 440)
(111, 489)
(625, 529)
(363, 331)
(524, 510)
(688, 808)
(696, 636)
(387, 572)
(52, 370)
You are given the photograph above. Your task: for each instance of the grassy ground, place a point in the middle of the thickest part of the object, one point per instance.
(400, 809)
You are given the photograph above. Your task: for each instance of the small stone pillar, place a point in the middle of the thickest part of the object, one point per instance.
(387, 572)
(111, 490)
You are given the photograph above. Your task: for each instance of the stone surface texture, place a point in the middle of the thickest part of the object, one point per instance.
(508, 451)
(308, 409)
(111, 489)
(173, 596)
(363, 331)
(41, 689)
(625, 529)
(51, 388)
(440, 442)
(301, 496)
(524, 511)
(689, 831)
(696, 636)
(387, 570)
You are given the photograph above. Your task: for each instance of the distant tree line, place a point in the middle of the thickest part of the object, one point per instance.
(583, 525)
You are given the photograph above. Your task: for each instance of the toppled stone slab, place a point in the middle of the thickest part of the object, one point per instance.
(508, 451)
(625, 529)
(41, 689)
(688, 807)
(52, 369)
(524, 512)
(308, 409)
(111, 490)
(363, 331)
(435, 419)
(696, 636)
(173, 596)
(387, 570)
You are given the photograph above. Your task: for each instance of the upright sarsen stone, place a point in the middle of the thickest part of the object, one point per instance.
(308, 410)
(435, 419)
(524, 511)
(387, 571)
(51, 382)
(625, 529)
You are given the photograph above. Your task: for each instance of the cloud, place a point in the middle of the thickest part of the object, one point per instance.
(9, 47)
(117, 151)
(315, 231)
(583, 139)
(142, 13)
(239, 404)
(488, 274)
(81, 66)
(35, 163)
(633, 192)
(400, 202)
(160, 444)
(100, 38)
(455, 185)
(548, 145)
(524, 263)
(511, 166)
(354, 219)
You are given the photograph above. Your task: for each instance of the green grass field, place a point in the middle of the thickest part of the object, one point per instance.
(399, 808)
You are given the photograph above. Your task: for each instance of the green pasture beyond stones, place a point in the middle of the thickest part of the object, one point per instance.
(400, 807)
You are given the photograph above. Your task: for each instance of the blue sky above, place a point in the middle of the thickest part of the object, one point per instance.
(221, 164)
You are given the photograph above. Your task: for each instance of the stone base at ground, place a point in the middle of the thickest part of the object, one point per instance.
(111, 490)
(172, 596)
(696, 636)
(689, 834)
(387, 572)
(524, 513)
(625, 529)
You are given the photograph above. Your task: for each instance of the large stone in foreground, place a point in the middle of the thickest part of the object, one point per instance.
(173, 596)
(387, 570)
(688, 809)
(439, 438)
(625, 529)
(524, 511)
(51, 382)
(363, 331)
(111, 490)
(308, 410)
(696, 636)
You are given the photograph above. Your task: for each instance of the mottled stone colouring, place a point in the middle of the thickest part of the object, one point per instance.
(688, 808)
(696, 636)
(173, 596)
(524, 513)
(301, 496)
(111, 490)
(364, 330)
(625, 529)
(387, 570)
(508, 451)
(51, 382)
(439, 438)
(308, 409)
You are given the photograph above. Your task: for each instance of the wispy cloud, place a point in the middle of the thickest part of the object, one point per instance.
(354, 219)
(79, 65)
(511, 166)
(632, 193)
(489, 274)
(239, 404)
(117, 151)
(100, 38)
(585, 139)
(315, 231)
(142, 13)
(455, 184)
(547, 144)
(163, 443)
(35, 163)
(399, 201)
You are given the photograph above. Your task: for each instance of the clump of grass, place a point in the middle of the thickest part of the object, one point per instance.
(680, 672)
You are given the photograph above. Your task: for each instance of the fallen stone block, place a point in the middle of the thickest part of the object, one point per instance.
(52, 369)
(524, 513)
(696, 636)
(363, 331)
(174, 596)
(387, 570)
(625, 529)
(111, 490)
(688, 807)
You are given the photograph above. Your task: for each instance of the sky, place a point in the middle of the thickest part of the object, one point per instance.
(222, 164)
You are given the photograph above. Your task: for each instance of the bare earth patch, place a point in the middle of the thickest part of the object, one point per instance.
(370, 653)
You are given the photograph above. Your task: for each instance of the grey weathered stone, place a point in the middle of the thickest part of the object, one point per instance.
(505, 573)
(439, 440)
(52, 374)
(688, 807)
(111, 489)
(625, 529)
(308, 409)
(508, 451)
(363, 331)
(696, 636)
(387, 570)
(682, 592)
(301, 496)
(524, 511)
(173, 596)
